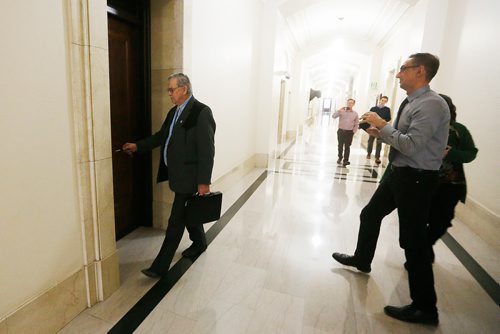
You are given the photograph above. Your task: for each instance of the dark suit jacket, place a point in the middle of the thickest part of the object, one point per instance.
(384, 112)
(191, 148)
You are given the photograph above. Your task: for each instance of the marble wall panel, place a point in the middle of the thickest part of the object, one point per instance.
(488, 229)
(101, 116)
(85, 179)
(92, 283)
(161, 213)
(110, 274)
(261, 160)
(98, 23)
(90, 91)
(234, 175)
(52, 310)
(80, 87)
(105, 207)
(3, 326)
(166, 34)
(79, 21)
(160, 101)
(248, 165)
(166, 58)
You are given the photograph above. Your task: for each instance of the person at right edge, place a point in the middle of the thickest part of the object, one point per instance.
(417, 142)
(452, 185)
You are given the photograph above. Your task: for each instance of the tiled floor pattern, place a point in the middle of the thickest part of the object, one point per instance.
(270, 269)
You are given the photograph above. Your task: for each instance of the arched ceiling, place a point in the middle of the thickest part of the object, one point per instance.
(334, 37)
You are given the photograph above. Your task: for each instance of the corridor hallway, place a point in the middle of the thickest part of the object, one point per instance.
(270, 270)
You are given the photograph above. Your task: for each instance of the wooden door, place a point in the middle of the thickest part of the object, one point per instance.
(130, 120)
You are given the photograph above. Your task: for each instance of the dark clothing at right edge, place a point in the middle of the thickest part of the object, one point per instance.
(452, 186)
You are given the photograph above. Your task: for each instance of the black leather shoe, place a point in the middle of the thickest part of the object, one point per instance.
(410, 313)
(346, 163)
(339, 161)
(193, 251)
(150, 273)
(348, 260)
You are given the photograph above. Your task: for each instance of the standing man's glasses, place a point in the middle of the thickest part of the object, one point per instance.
(171, 90)
(404, 68)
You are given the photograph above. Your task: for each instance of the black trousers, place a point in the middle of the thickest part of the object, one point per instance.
(344, 138)
(409, 191)
(442, 211)
(378, 147)
(173, 235)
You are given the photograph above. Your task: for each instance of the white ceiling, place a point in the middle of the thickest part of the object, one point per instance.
(337, 37)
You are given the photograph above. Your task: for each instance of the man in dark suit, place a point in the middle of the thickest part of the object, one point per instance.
(187, 158)
(385, 113)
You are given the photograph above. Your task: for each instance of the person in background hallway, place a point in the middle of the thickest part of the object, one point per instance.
(385, 113)
(187, 158)
(452, 186)
(417, 139)
(348, 125)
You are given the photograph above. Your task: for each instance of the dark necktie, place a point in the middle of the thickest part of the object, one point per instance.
(176, 117)
(392, 151)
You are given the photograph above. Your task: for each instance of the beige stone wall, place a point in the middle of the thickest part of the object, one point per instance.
(91, 110)
(62, 254)
(483, 222)
(166, 59)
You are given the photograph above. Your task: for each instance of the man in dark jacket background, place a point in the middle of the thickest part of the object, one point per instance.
(385, 113)
(187, 158)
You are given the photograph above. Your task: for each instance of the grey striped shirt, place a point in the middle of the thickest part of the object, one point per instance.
(422, 131)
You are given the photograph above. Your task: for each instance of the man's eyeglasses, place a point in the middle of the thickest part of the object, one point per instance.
(171, 90)
(404, 68)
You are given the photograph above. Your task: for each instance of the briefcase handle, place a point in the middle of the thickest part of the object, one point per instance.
(198, 194)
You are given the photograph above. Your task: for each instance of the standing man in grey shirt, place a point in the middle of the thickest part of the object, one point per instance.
(417, 139)
(348, 125)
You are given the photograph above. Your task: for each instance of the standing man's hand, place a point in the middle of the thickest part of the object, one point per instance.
(129, 148)
(374, 132)
(373, 119)
(203, 189)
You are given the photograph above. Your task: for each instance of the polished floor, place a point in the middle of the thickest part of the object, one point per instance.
(270, 270)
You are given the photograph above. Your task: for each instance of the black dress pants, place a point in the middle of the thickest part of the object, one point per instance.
(344, 137)
(173, 235)
(409, 191)
(378, 147)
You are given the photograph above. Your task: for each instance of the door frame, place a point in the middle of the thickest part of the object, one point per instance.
(139, 15)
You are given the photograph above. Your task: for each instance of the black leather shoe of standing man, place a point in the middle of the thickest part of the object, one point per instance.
(150, 273)
(350, 261)
(410, 313)
(193, 251)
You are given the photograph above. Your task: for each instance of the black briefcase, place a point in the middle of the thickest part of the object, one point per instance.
(203, 209)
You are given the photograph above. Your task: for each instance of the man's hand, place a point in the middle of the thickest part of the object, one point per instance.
(374, 119)
(446, 150)
(129, 148)
(373, 132)
(203, 189)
